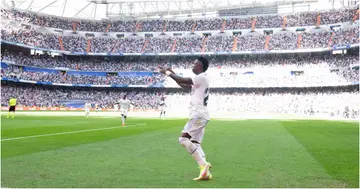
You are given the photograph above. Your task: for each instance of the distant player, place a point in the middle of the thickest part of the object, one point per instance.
(124, 108)
(87, 107)
(96, 107)
(12, 107)
(162, 107)
(347, 112)
(116, 107)
(194, 129)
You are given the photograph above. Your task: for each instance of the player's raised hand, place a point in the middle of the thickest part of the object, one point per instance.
(162, 70)
(169, 69)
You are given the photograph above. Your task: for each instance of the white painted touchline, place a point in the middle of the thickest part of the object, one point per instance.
(71, 132)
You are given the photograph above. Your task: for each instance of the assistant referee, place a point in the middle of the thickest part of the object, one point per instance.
(12, 105)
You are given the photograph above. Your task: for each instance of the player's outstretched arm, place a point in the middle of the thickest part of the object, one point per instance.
(184, 86)
(177, 78)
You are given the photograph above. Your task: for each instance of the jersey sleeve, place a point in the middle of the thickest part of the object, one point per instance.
(198, 80)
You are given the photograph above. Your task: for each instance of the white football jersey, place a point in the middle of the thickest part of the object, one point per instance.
(87, 106)
(199, 97)
(124, 104)
(162, 104)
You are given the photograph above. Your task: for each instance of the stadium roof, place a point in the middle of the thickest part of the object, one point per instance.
(105, 9)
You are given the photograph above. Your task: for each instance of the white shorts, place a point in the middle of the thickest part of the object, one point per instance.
(162, 109)
(87, 110)
(124, 112)
(195, 127)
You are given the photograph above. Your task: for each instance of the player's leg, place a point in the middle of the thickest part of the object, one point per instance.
(163, 114)
(160, 113)
(197, 135)
(191, 138)
(184, 140)
(13, 110)
(125, 115)
(122, 119)
(201, 151)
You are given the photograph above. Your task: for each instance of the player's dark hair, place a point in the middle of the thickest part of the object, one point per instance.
(205, 63)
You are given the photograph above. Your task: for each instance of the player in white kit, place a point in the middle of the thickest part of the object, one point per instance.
(87, 107)
(124, 107)
(162, 108)
(116, 107)
(193, 132)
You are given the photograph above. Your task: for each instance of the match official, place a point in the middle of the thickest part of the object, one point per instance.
(12, 105)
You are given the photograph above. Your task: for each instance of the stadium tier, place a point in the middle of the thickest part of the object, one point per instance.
(127, 64)
(325, 101)
(262, 71)
(282, 40)
(297, 55)
(266, 21)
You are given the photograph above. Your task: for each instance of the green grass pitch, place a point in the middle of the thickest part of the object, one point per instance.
(97, 152)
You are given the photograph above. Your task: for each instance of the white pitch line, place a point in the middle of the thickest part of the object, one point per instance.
(71, 132)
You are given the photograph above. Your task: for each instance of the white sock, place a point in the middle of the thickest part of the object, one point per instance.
(201, 151)
(123, 119)
(193, 150)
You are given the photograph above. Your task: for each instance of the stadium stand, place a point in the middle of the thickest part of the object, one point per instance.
(254, 82)
(306, 101)
(268, 21)
(283, 40)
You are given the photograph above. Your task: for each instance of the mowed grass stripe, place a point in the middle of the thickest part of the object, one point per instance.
(23, 126)
(267, 152)
(243, 154)
(335, 145)
(33, 145)
(71, 132)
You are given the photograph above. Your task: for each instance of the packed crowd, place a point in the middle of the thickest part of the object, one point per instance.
(159, 45)
(189, 44)
(267, 21)
(290, 102)
(102, 45)
(130, 45)
(174, 25)
(74, 43)
(252, 42)
(274, 76)
(37, 96)
(219, 44)
(315, 40)
(30, 37)
(252, 63)
(15, 72)
(284, 40)
(314, 102)
(344, 37)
